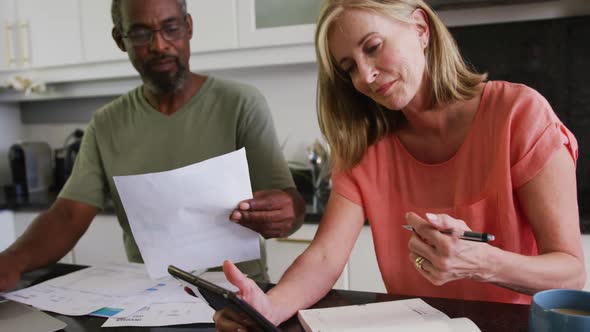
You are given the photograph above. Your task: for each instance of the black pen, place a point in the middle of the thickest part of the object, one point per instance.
(464, 235)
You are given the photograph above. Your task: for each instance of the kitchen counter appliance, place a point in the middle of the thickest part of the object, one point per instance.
(31, 167)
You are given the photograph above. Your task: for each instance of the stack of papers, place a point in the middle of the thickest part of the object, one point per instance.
(122, 292)
(413, 315)
(179, 217)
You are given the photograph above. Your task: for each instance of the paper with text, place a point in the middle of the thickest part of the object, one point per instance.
(85, 291)
(163, 314)
(413, 315)
(166, 303)
(166, 291)
(181, 217)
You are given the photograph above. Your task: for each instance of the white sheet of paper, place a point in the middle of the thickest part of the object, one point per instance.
(169, 291)
(162, 314)
(85, 291)
(166, 303)
(181, 217)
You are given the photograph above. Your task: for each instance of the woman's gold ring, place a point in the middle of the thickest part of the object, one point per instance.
(419, 262)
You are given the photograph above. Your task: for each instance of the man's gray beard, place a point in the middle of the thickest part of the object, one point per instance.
(162, 84)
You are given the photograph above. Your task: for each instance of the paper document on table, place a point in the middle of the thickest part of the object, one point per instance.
(165, 291)
(85, 291)
(181, 217)
(164, 304)
(164, 314)
(412, 315)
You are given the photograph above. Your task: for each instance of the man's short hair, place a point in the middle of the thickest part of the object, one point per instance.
(118, 19)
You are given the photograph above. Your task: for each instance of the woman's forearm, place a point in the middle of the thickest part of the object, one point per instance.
(309, 279)
(530, 274)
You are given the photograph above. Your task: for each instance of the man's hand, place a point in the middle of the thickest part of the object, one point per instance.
(272, 213)
(10, 270)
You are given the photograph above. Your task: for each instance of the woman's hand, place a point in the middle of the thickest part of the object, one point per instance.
(229, 320)
(445, 257)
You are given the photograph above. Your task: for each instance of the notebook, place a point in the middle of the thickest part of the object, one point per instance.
(412, 315)
(18, 317)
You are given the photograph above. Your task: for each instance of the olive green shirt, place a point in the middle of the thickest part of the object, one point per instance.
(128, 136)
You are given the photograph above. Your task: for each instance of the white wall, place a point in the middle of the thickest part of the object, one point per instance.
(54, 134)
(10, 132)
(290, 92)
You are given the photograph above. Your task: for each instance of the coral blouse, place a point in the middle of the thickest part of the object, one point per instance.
(513, 135)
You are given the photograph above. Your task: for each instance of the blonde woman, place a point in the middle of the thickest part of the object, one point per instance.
(420, 139)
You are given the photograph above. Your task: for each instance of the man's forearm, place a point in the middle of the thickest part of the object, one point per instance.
(51, 236)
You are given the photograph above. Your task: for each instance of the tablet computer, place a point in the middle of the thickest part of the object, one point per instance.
(219, 298)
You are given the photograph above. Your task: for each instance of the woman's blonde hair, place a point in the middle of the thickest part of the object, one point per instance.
(349, 120)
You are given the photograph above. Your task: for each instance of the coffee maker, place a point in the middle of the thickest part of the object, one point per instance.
(31, 167)
(65, 158)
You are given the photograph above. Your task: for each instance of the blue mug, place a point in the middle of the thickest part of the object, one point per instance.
(560, 310)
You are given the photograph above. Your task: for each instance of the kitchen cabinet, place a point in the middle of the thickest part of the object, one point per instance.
(361, 273)
(363, 268)
(217, 16)
(276, 22)
(7, 235)
(214, 25)
(102, 243)
(281, 253)
(97, 42)
(9, 36)
(83, 54)
(22, 220)
(48, 32)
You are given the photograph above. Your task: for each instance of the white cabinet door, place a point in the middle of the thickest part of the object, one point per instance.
(7, 234)
(97, 43)
(102, 243)
(214, 28)
(281, 253)
(214, 25)
(49, 32)
(363, 269)
(276, 22)
(22, 220)
(9, 36)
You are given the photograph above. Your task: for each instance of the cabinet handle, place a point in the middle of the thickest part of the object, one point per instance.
(288, 240)
(10, 59)
(23, 41)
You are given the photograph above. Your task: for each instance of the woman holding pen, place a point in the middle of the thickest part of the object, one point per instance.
(419, 139)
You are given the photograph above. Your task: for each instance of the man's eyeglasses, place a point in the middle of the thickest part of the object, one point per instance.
(141, 36)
